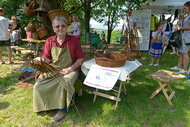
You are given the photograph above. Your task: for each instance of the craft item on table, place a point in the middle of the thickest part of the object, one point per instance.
(109, 59)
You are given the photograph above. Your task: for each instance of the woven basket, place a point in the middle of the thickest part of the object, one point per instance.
(42, 32)
(110, 60)
(27, 8)
(131, 55)
(31, 27)
(58, 12)
(35, 36)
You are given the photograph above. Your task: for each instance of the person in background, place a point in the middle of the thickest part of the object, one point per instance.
(15, 31)
(69, 29)
(4, 36)
(167, 31)
(63, 51)
(129, 29)
(156, 48)
(183, 58)
(129, 23)
(76, 27)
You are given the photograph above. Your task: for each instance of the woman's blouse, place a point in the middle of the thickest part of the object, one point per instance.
(73, 44)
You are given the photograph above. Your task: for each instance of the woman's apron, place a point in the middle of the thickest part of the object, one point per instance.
(48, 92)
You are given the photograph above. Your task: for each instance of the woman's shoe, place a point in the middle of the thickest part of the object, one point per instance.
(156, 64)
(59, 116)
(176, 68)
(183, 71)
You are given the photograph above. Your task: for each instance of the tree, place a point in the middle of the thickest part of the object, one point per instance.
(110, 12)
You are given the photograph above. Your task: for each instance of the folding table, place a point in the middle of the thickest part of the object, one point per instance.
(125, 71)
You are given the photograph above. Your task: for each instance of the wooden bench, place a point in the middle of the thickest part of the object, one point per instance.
(22, 50)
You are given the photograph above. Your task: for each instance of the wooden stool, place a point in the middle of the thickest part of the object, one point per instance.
(164, 77)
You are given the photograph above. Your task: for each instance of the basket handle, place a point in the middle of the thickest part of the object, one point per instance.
(104, 58)
(31, 3)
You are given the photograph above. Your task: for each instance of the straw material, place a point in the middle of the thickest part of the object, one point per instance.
(58, 12)
(44, 67)
(110, 59)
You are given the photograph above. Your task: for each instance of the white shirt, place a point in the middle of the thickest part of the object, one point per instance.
(129, 22)
(75, 28)
(4, 25)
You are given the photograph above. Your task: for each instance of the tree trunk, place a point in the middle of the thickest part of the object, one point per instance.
(87, 11)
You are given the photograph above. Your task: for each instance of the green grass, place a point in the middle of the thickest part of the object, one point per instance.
(135, 109)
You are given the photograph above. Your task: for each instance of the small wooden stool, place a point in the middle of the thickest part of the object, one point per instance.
(164, 77)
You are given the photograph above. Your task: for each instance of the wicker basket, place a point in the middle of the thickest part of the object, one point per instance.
(27, 8)
(131, 55)
(42, 32)
(110, 59)
(31, 27)
(35, 36)
(58, 12)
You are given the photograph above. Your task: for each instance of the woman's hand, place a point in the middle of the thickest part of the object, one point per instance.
(66, 71)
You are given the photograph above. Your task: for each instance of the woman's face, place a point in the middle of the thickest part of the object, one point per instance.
(186, 9)
(60, 28)
(14, 19)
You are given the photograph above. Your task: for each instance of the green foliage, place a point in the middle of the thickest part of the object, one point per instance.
(115, 35)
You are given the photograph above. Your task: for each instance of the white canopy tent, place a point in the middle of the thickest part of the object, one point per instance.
(163, 6)
(155, 7)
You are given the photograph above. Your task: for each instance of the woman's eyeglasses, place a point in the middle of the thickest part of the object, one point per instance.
(58, 26)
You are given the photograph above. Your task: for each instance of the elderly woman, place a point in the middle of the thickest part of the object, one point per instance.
(183, 50)
(64, 51)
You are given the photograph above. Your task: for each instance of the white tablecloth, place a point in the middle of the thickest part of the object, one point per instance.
(129, 67)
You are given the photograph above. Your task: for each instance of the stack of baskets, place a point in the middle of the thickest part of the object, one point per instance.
(109, 59)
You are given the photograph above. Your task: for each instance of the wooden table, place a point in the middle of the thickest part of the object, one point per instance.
(35, 44)
(164, 77)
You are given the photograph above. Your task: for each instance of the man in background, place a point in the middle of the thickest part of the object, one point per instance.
(129, 29)
(4, 36)
(167, 31)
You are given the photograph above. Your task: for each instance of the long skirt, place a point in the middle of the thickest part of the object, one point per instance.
(156, 49)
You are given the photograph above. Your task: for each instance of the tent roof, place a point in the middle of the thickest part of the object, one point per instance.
(163, 6)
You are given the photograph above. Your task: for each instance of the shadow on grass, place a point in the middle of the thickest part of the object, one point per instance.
(4, 105)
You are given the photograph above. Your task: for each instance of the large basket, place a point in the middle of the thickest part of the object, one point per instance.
(42, 32)
(58, 12)
(110, 60)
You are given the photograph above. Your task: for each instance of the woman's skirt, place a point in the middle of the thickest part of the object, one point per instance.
(156, 49)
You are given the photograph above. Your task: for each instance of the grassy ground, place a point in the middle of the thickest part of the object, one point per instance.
(135, 109)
